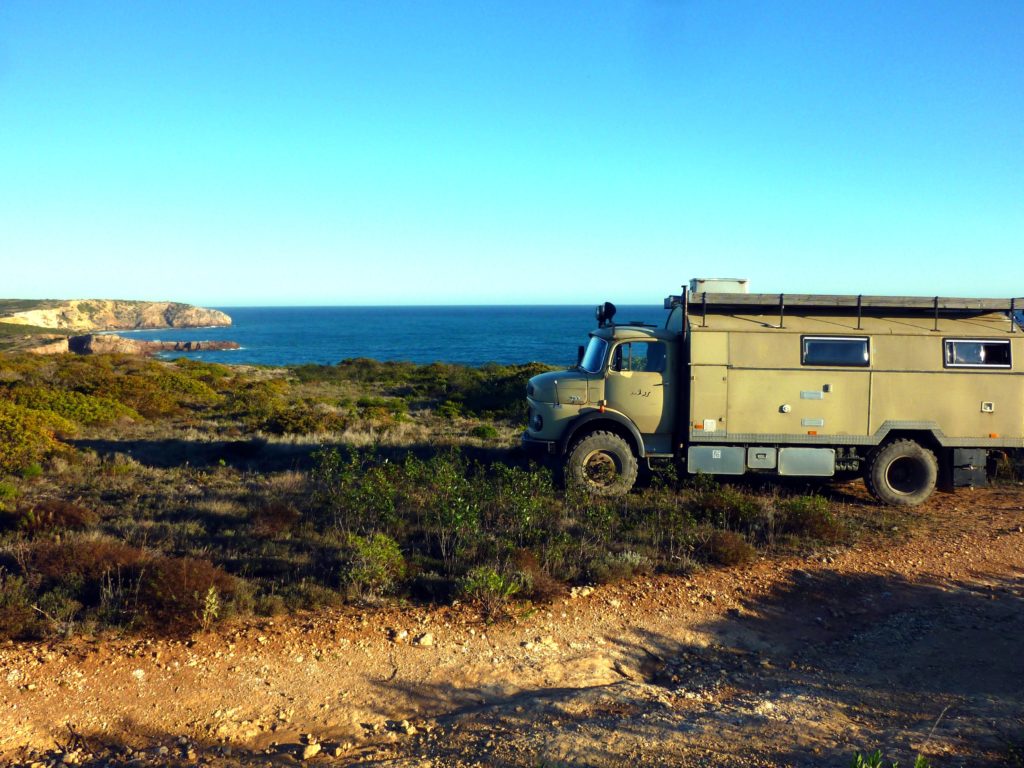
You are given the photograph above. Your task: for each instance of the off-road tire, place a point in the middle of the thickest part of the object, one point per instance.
(902, 473)
(603, 464)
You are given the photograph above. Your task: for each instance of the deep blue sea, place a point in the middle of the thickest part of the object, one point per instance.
(467, 335)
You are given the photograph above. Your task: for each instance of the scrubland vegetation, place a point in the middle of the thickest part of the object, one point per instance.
(147, 496)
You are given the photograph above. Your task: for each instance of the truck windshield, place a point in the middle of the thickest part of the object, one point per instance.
(593, 358)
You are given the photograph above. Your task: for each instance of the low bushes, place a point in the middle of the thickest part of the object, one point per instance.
(88, 579)
(26, 436)
(371, 566)
(113, 537)
(73, 406)
(491, 590)
(492, 390)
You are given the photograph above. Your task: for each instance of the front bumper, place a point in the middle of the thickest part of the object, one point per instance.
(536, 447)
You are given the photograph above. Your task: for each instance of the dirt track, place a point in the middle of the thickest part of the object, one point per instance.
(910, 643)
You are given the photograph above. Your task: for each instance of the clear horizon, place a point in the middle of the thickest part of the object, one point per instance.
(406, 154)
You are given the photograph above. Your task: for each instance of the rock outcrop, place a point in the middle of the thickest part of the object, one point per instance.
(108, 343)
(46, 345)
(114, 315)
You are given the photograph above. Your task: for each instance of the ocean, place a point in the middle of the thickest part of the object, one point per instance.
(465, 335)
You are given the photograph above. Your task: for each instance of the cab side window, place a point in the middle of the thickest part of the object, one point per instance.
(647, 356)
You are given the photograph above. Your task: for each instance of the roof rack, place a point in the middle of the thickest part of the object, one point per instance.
(827, 301)
(778, 302)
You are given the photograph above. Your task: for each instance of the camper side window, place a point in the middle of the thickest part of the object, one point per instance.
(835, 350)
(977, 353)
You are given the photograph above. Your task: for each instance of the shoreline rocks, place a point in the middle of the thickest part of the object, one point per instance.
(109, 343)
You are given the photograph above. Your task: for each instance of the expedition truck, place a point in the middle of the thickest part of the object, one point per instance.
(907, 392)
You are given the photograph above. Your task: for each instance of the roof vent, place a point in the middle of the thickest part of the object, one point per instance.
(718, 285)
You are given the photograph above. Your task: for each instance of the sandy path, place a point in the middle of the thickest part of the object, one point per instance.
(785, 662)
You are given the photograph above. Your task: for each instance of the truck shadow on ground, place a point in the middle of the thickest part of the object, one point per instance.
(827, 665)
(258, 454)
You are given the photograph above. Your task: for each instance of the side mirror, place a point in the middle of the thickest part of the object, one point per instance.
(579, 355)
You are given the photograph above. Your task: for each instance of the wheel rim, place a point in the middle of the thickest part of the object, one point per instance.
(601, 469)
(906, 475)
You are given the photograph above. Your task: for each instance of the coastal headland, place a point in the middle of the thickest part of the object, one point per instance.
(85, 315)
(60, 326)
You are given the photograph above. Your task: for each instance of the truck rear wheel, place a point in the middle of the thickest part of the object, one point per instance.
(603, 463)
(902, 473)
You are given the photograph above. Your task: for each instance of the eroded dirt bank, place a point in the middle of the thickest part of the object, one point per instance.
(910, 643)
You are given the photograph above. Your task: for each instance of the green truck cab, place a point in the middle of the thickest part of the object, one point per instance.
(908, 392)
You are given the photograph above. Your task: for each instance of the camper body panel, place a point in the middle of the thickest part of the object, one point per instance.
(749, 381)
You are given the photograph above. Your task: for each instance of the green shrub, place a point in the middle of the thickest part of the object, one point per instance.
(381, 407)
(175, 593)
(875, 760)
(484, 432)
(54, 515)
(729, 548)
(725, 506)
(73, 406)
(60, 609)
(32, 471)
(119, 583)
(810, 516)
(491, 590)
(25, 436)
(255, 402)
(519, 505)
(620, 566)
(354, 493)
(184, 388)
(371, 565)
(449, 410)
(8, 493)
(269, 605)
(310, 596)
(452, 512)
(305, 419)
(213, 375)
(16, 615)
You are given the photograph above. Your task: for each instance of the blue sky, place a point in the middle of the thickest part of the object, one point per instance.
(434, 153)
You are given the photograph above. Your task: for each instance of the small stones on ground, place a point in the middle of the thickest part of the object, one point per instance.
(577, 592)
(398, 635)
(309, 751)
(425, 639)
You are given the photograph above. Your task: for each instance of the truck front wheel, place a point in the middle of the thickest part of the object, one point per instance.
(602, 463)
(902, 473)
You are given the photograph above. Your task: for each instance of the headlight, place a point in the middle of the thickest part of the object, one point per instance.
(537, 422)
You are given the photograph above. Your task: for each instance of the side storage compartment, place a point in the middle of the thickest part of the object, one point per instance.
(969, 467)
(807, 462)
(716, 459)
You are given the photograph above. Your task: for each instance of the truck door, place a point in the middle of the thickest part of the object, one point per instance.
(638, 376)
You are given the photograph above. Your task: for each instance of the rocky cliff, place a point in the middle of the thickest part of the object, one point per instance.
(113, 315)
(108, 343)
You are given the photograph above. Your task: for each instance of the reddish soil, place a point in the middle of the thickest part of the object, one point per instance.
(910, 642)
